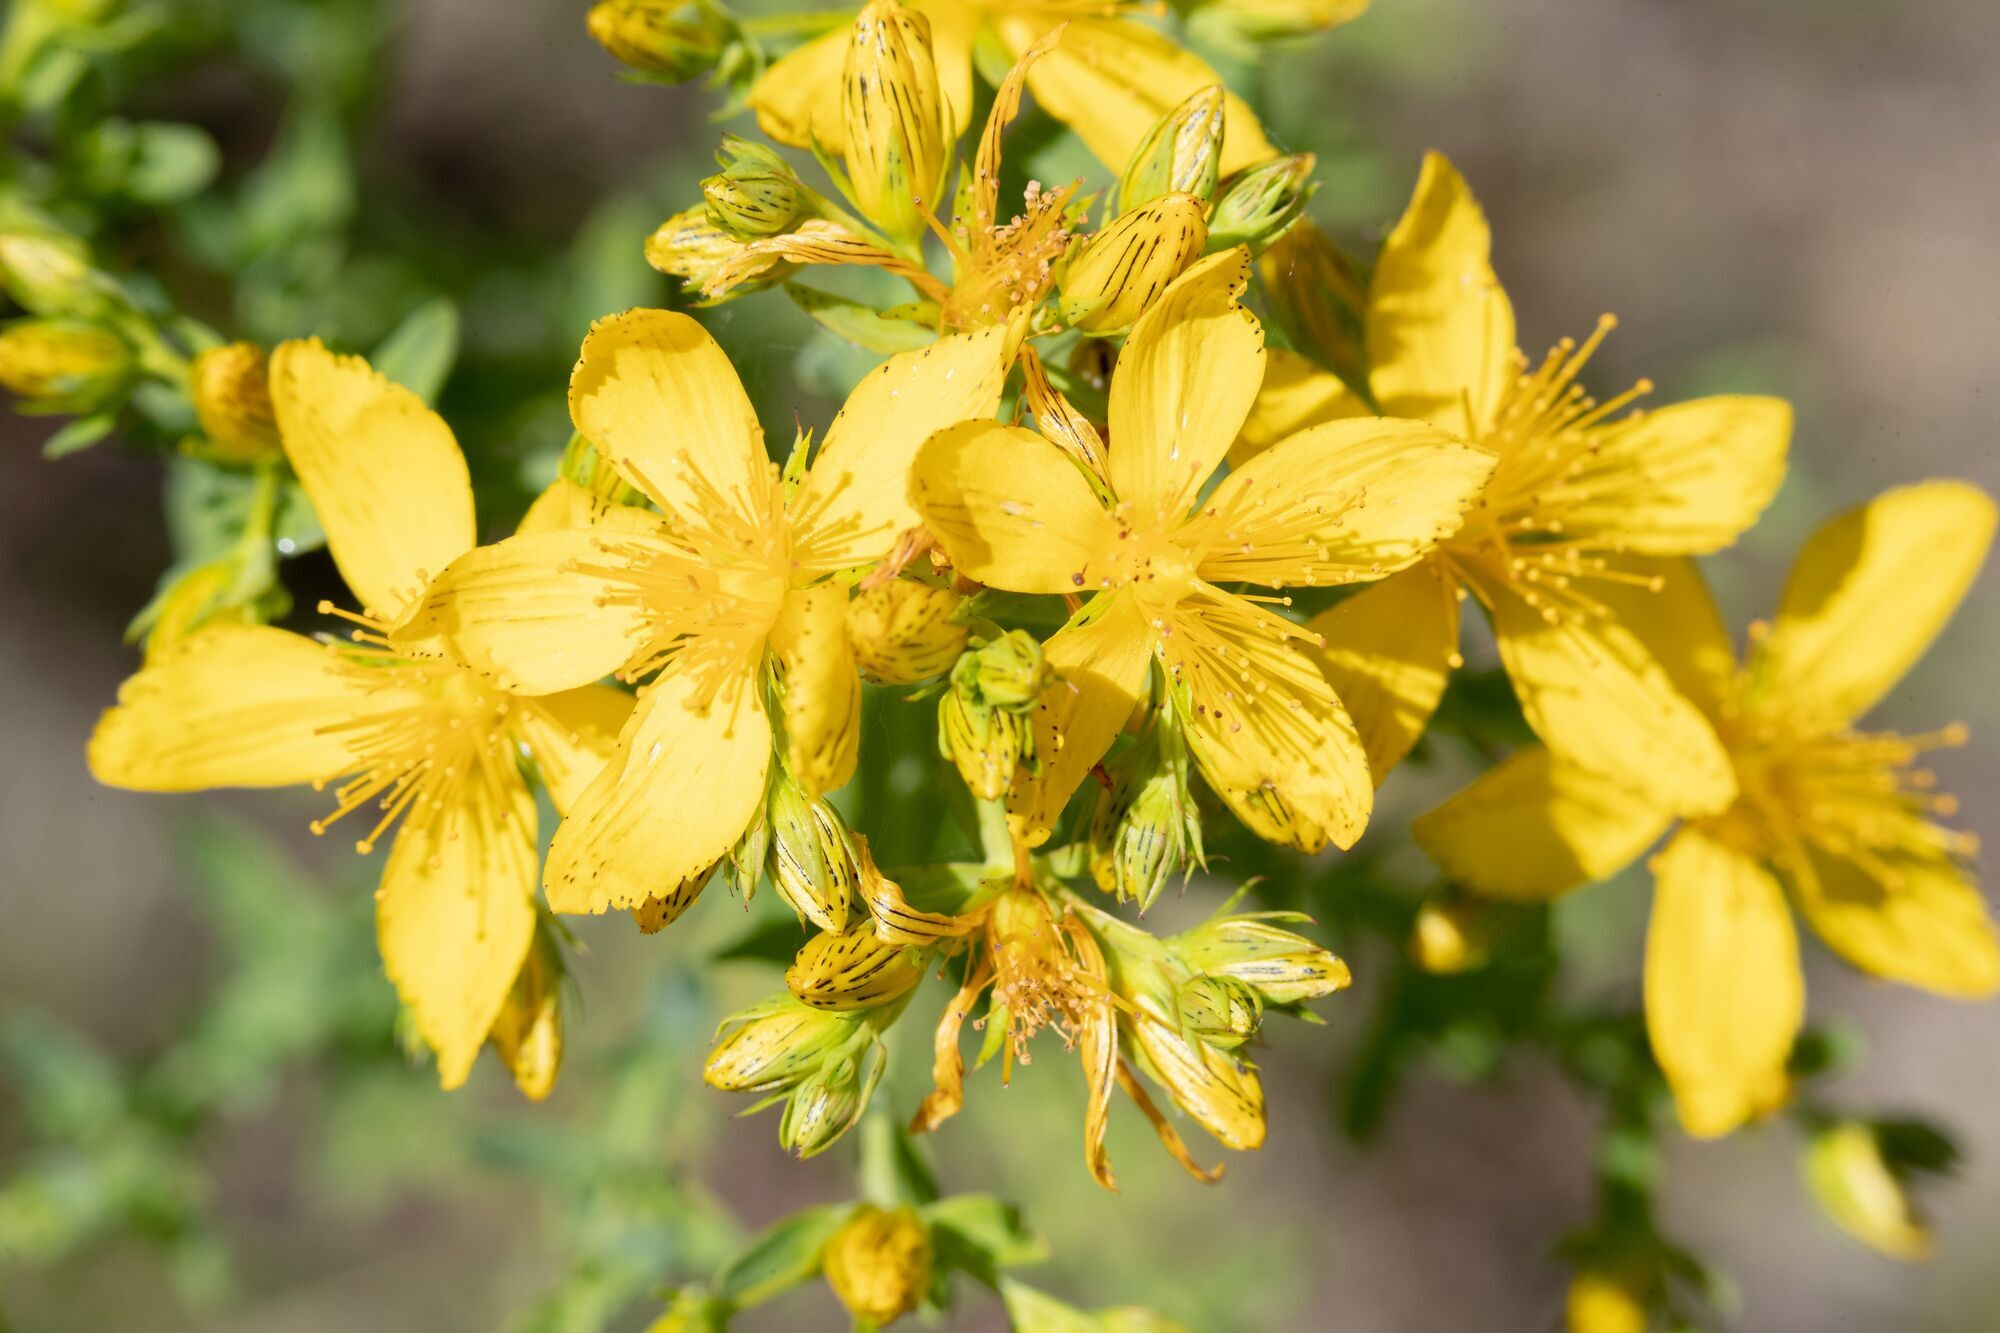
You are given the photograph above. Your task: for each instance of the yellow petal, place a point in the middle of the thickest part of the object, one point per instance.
(230, 706)
(1295, 394)
(1012, 510)
(1440, 331)
(1389, 654)
(798, 99)
(1100, 659)
(1225, 1098)
(1533, 827)
(660, 400)
(1684, 480)
(1724, 995)
(856, 498)
(820, 686)
(382, 470)
(535, 613)
(571, 735)
(954, 27)
(1678, 622)
(1868, 593)
(1927, 926)
(1110, 79)
(564, 504)
(1598, 699)
(1183, 386)
(676, 794)
(1266, 729)
(455, 915)
(1345, 502)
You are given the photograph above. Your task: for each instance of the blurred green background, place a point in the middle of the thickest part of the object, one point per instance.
(1775, 196)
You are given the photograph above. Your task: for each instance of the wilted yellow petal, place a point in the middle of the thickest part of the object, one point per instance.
(1920, 921)
(1100, 659)
(1440, 331)
(1225, 1098)
(570, 735)
(676, 794)
(1388, 655)
(1295, 394)
(856, 497)
(1183, 386)
(1868, 593)
(230, 706)
(455, 915)
(820, 687)
(383, 472)
(1533, 827)
(1012, 510)
(1724, 994)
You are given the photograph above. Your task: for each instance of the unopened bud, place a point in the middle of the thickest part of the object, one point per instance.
(984, 722)
(692, 248)
(528, 1032)
(1122, 270)
(1283, 967)
(752, 204)
(49, 273)
(858, 970)
(1008, 672)
(898, 138)
(59, 365)
(812, 856)
(674, 40)
(1143, 828)
(879, 1263)
(232, 399)
(1857, 1187)
(830, 1101)
(1222, 1011)
(1601, 1301)
(774, 1045)
(744, 865)
(1260, 202)
(1451, 936)
(903, 632)
(1181, 154)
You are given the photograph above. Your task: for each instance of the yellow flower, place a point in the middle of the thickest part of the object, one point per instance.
(1342, 503)
(1576, 485)
(1838, 821)
(725, 591)
(429, 743)
(1109, 81)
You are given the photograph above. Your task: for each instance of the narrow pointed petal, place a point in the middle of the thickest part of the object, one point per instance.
(455, 915)
(1724, 994)
(857, 496)
(676, 794)
(1295, 394)
(571, 735)
(230, 706)
(1440, 330)
(1012, 510)
(1927, 927)
(1869, 592)
(1533, 827)
(383, 472)
(1388, 655)
(659, 399)
(821, 688)
(1183, 387)
(1683, 480)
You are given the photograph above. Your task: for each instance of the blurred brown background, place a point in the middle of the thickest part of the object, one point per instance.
(1800, 198)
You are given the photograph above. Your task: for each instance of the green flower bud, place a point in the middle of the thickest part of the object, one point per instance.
(1008, 672)
(668, 38)
(812, 856)
(60, 365)
(831, 1100)
(231, 386)
(752, 204)
(743, 867)
(775, 1045)
(985, 725)
(1122, 270)
(1144, 826)
(50, 273)
(1282, 967)
(1260, 202)
(1181, 154)
(904, 632)
(691, 247)
(879, 1263)
(1222, 1011)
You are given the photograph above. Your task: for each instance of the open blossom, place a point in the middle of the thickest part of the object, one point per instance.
(1341, 503)
(722, 600)
(1837, 821)
(429, 749)
(1576, 485)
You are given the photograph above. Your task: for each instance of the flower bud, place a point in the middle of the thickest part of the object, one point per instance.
(59, 365)
(830, 1101)
(692, 248)
(812, 856)
(1009, 672)
(1857, 1187)
(903, 632)
(49, 273)
(1144, 827)
(774, 1045)
(1260, 202)
(231, 386)
(1221, 1011)
(1123, 269)
(1181, 154)
(879, 1263)
(753, 204)
(898, 136)
(1282, 967)
(1451, 936)
(528, 1032)
(858, 970)
(984, 722)
(674, 40)
(743, 866)
(1604, 1302)
(1317, 298)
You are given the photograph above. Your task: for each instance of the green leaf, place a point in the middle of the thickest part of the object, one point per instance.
(781, 1256)
(860, 324)
(67, 1087)
(982, 1234)
(419, 353)
(169, 162)
(78, 435)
